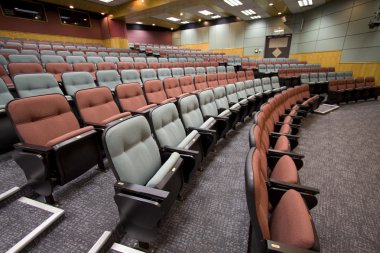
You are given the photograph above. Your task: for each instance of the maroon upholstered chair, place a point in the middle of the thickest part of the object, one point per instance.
(124, 65)
(86, 67)
(241, 76)
(289, 225)
(222, 79)
(249, 74)
(54, 149)
(231, 77)
(154, 65)
(200, 82)
(106, 66)
(187, 85)
(16, 68)
(58, 68)
(369, 84)
(97, 107)
(172, 88)
(141, 65)
(350, 92)
(131, 99)
(155, 92)
(212, 80)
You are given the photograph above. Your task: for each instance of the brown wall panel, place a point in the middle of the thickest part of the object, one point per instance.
(53, 26)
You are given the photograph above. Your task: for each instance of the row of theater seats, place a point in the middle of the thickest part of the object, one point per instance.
(64, 53)
(291, 77)
(46, 45)
(156, 91)
(118, 53)
(54, 148)
(6, 58)
(126, 69)
(267, 69)
(278, 204)
(347, 90)
(319, 81)
(45, 83)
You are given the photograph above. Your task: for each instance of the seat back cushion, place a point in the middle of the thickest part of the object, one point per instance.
(28, 85)
(37, 123)
(207, 103)
(167, 125)
(96, 105)
(190, 111)
(220, 98)
(135, 156)
(131, 96)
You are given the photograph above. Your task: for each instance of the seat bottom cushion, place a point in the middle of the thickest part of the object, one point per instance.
(285, 129)
(291, 222)
(163, 171)
(285, 171)
(282, 144)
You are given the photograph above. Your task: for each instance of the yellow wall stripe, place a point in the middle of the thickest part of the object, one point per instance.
(40, 36)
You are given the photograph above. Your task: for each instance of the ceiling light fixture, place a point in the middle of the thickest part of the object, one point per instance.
(255, 17)
(102, 13)
(199, 20)
(216, 16)
(171, 28)
(71, 6)
(279, 13)
(270, 4)
(153, 24)
(106, 1)
(181, 14)
(173, 19)
(139, 23)
(233, 2)
(205, 12)
(248, 12)
(185, 22)
(305, 3)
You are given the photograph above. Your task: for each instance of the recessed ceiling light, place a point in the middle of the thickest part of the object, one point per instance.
(248, 12)
(304, 3)
(216, 16)
(171, 28)
(206, 12)
(173, 19)
(139, 23)
(255, 17)
(102, 13)
(270, 4)
(106, 1)
(185, 22)
(153, 24)
(233, 2)
(85, 19)
(71, 6)
(181, 14)
(199, 20)
(279, 13)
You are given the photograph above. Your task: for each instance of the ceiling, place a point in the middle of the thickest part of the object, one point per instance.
(156, 12)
